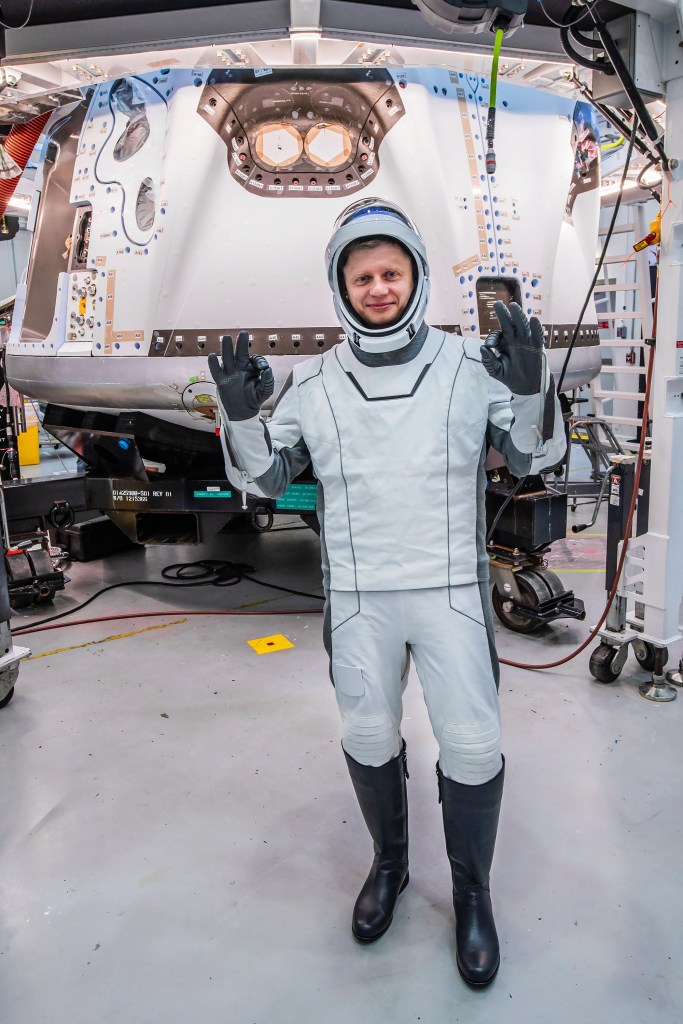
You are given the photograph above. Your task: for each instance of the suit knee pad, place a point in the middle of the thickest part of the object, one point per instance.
(471, 756)
(371, 740)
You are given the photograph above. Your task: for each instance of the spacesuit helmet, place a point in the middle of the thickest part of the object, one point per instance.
(377, 218)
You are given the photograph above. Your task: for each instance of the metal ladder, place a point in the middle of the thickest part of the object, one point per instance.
(623, 295)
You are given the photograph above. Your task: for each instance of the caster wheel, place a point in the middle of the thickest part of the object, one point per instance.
(504, 608)
(607, 662)
(8, 677)
(645, 655)
(536, 586)
(7, 698)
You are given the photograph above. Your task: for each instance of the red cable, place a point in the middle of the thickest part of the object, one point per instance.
(627, 532)
(143, 615)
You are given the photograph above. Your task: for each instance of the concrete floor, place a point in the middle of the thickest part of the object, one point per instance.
(180, 840)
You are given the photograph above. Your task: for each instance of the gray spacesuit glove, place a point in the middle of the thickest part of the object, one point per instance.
(514, 354)
(244, 382)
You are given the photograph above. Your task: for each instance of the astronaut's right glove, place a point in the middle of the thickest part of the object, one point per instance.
(244, 382)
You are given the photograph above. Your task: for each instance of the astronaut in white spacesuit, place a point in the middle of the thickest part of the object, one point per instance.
(396, 421)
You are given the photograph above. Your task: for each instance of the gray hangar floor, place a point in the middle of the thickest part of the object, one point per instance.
(180, 840)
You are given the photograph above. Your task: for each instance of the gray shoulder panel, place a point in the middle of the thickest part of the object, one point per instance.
(472, 348)
(312, 368)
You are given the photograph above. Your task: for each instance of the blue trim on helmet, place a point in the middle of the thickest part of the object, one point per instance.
(373, 211)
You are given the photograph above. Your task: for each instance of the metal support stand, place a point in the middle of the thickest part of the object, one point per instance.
(675, 675)
(623, 628)
(658, 689)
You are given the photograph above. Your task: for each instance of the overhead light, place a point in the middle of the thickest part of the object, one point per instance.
(611, 187)
(8, 167)
(230, 55)
(9, 77)
(471, 16)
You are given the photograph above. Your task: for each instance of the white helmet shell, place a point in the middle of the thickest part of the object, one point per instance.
(378, 218)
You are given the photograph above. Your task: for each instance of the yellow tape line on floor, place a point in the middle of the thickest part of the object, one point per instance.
(559, 568)
(580, 536)
(106, 639)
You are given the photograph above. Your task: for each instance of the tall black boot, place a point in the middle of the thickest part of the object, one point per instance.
(470, 822)
(381, 793)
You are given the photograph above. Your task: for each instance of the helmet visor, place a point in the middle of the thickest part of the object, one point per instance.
(375, 208)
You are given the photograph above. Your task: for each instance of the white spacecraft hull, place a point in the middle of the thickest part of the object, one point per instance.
(162, 220)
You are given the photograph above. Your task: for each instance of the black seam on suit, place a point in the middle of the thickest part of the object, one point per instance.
(448, 466)
(386, 398)
(389, 398)
(346, 486)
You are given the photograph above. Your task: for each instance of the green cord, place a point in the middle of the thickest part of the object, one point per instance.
(494, 68)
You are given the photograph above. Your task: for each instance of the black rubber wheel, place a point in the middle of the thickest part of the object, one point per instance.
(503, 607)
(645, 655)
(602, 664)
(9, 675)
(7, 698)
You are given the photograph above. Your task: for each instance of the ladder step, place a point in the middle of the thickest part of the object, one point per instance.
(619, 316)
(622, 343)
(617, 287)
(640, 370)
(632, 446)
(616, 258)
(620, 229)
(631, 420)
(619, 394)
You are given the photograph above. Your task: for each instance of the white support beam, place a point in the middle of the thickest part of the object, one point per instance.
(305, 31)
(196, 26)
(266, 19)
(661, 572)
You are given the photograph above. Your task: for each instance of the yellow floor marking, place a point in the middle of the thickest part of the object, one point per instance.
(257, 604)
(104, 640)
(573, 536)
(268, 644)
(559, 568)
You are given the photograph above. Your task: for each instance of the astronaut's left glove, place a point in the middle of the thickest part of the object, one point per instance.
(514, 354)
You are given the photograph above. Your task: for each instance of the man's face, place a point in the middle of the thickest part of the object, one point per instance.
(379, 282)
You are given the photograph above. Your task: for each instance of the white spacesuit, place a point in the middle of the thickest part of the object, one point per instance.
(396, 421)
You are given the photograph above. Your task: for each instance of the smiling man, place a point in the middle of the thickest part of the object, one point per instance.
(378, 280)
(396, 421)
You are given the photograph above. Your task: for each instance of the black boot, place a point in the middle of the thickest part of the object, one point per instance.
(470, 822)
(381, 793)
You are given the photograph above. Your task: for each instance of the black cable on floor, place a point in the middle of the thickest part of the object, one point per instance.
(206, 572)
